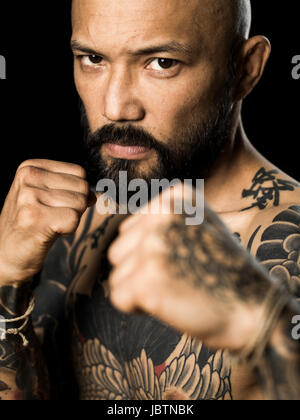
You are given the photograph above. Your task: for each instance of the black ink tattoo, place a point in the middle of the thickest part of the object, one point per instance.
(52, 314)
(100, 232)
(238, 236)
(23, 366)
(279, 252)
(206, 258)
(118, 356)
(131, 357)
(211, 258)
(266, 188)
(251, 241)
(4, 388)
(50, 318)
(104, 377)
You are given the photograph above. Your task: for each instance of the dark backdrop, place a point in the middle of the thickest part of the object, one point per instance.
(39, 107)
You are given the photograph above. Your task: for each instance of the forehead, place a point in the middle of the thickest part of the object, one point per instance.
(136, 22)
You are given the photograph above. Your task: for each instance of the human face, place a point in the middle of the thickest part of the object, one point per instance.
(151, 66)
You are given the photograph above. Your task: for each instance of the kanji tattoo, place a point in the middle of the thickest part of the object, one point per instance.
(266, 188)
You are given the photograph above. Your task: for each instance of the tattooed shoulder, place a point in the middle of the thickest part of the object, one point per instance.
(270, 188)
(277, 246)
(275, 241)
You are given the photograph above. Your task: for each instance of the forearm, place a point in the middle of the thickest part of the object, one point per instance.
(279, 369)
(23, 374)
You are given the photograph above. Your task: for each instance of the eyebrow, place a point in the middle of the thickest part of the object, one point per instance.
(172, 46)
(76, 45)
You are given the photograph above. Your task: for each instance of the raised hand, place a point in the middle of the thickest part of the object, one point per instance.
(47, 199)
(198, 279)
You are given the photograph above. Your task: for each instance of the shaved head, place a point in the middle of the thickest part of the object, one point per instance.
(232, 17)
(242, 16)
(235, 14)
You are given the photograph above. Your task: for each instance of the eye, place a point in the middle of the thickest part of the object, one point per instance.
(159, 64)
(89, 60)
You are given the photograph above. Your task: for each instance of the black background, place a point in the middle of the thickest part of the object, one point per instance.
(39, 115)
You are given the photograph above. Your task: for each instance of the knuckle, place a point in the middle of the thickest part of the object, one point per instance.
(151, 303)
(26, 196)
(72, 218)
(67, 223)
(121, 300)
(112, 253)
(29, 162)
(79, 171)
(26, 174)
(27, 217)
(81, 202)
(84, 187)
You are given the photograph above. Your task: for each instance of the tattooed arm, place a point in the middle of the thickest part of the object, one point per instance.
(277, 246)
(43, 369)
(201, 281)
(23, 375)
(46, 201)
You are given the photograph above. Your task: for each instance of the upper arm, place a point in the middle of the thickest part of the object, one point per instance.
(275, 241)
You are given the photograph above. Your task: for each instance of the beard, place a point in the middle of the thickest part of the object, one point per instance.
(190, 154)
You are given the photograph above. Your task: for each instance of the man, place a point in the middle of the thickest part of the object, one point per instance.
(148, 307)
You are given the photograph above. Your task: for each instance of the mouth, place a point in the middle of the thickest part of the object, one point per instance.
(127, 152)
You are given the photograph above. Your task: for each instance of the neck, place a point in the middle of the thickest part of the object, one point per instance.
(232, 173)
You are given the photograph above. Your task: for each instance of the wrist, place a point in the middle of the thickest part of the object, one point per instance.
(242, 327)
(13, 278)
(17, 327)
(270, 314)
(11, 274)
(14, 300)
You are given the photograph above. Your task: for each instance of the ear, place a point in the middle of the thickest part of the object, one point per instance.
(253, 58)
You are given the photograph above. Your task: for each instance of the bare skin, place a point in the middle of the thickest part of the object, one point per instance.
(183, 309)
(137, 344)
(77, 281)
(46, 201)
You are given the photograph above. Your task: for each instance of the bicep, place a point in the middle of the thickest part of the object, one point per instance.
(277, 247)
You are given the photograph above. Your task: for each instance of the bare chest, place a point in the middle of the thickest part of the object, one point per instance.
(136, 357)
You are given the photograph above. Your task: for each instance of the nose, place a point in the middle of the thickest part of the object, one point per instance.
(121, 103)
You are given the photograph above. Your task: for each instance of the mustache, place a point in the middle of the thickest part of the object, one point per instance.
(124, 136)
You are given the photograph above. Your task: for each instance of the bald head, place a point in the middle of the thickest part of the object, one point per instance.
(233, 16)
(236, 14)
(242, 15)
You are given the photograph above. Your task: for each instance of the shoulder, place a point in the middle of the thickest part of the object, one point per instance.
(274, 199)
(274, 239)
(273, 231)
(269, 188)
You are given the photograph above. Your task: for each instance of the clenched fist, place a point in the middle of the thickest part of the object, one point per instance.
(197, 279)
(47, 199)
